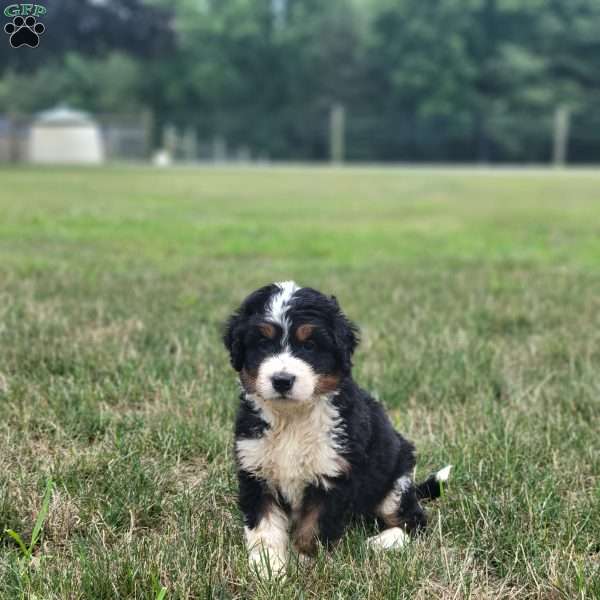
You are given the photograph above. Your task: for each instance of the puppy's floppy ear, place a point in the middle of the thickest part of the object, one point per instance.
(233, 338)
(345, 334)
(235, 328)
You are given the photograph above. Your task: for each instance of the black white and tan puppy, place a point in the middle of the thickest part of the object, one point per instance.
(313, 449)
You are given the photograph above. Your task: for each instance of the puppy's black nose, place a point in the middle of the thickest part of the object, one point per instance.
(283, 382)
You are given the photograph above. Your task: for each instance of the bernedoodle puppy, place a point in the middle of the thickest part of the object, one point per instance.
(313, 449)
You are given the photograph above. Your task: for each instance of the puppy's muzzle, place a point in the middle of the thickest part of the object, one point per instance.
(282, 382)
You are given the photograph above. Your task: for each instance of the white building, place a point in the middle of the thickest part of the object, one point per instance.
(63, 135)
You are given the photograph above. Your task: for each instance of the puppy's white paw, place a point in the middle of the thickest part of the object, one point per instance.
(390, 539)
(267, 562)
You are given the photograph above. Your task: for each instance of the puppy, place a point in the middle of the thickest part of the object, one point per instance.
(313, 449)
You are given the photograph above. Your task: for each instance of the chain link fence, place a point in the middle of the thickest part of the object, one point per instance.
(338, 134)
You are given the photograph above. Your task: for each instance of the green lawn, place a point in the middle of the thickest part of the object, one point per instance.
(478, 296)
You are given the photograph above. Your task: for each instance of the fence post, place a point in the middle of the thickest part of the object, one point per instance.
(147, 120)
(562, 118)
(337, 126)
(219, 149)
(15, 149)
(190, 144)
(170, 140)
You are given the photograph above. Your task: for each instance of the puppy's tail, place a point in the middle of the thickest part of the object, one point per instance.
(432, 487)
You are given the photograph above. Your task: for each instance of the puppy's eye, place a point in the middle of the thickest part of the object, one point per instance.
(267, 334)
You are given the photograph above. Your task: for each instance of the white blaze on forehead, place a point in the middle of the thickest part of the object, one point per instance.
(279, 304)
(304, 384)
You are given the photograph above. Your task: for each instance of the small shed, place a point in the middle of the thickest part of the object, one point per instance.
(64, 135)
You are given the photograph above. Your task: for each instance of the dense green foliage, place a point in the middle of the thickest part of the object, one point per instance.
(420, 80)
(478, 297)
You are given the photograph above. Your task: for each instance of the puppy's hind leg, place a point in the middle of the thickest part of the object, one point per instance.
(401, 512)
(410, 514)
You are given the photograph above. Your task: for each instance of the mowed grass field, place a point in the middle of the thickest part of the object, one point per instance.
(478, 297)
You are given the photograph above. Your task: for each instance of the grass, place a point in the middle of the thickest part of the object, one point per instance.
(478, 296)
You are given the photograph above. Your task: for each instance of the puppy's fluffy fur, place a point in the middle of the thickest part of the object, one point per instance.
(313, 449)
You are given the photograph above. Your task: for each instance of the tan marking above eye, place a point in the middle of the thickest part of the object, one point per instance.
(267, 330)
(304, 332)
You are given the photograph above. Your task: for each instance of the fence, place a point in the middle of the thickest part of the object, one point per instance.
(339, 134)
(343, 134)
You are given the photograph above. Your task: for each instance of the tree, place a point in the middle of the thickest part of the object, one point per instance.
(434, 80)
(95, 28)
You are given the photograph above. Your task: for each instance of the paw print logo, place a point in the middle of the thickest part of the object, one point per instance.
(24, 32)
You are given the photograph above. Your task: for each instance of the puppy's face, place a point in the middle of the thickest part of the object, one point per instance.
(290, 344)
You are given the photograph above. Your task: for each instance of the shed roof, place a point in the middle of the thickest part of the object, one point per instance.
(63, 115)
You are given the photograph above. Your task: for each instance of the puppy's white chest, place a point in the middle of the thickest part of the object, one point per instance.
(296, 451)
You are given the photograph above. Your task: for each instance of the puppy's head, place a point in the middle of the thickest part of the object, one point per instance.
(290, 344)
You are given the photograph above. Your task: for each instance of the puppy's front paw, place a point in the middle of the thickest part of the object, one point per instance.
(267, 562)
(390, 539)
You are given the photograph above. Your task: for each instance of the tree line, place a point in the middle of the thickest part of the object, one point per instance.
(455, 80)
